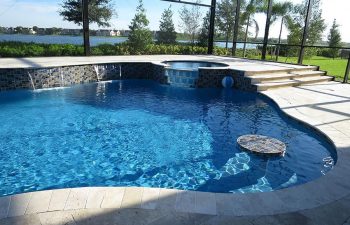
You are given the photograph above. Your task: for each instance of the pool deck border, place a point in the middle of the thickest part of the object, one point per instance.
(330, 193)
(233, 63)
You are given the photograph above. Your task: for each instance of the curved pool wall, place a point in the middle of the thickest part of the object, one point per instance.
(100, 121)
(38, 78)
(70, 75)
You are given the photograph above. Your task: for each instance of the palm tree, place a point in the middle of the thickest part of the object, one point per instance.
(281, 10)
(248, 16)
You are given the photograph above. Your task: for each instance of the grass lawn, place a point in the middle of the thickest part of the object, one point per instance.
(334, 67)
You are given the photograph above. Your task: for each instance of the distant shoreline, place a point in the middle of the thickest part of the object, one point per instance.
(65, 35)
(94, 40)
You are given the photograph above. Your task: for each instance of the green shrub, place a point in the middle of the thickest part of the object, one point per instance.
(107, 49)
(69, 50)
(53, 50)
(33, 50)
(122, 49)
(19, 49)
(96, 51)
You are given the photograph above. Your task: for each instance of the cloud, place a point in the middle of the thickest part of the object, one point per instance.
(7, 2)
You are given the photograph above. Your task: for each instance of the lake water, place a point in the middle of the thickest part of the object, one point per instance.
(78, 40)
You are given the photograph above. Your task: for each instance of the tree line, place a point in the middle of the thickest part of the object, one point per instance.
(196, 26)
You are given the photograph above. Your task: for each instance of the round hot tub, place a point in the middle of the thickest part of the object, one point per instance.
(186, 73)
(192, 65)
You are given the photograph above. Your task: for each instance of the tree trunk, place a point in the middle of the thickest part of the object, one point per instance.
(246, 37)
(193, 41)
(227, 34)
(279, 40)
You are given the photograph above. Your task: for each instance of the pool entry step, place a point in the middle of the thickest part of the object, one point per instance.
(267, 80)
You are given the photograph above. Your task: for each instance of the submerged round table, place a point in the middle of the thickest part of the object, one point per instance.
(261, 144)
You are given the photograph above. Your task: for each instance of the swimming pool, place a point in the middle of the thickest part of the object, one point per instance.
(140, 133)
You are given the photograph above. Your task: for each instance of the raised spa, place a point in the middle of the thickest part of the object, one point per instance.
(192, 65)
(141, 133)
(186, 73)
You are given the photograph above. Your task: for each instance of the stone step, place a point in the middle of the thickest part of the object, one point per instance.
(274, 85)
(292, 82)
(310, 73)
(270, 78)
(266, 72)
(312, 80)
(281, 71)
(284, 76)
(306, 68)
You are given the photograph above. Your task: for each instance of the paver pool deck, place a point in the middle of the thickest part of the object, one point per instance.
(324, 106)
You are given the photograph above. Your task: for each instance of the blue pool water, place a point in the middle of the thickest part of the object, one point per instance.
(140, 133)
(192, 65)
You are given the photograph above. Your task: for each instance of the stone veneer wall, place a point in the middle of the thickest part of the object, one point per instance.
(213, 77)
(70, 75)
(46, 77)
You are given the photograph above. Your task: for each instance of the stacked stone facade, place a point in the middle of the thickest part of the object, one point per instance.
(38, 78)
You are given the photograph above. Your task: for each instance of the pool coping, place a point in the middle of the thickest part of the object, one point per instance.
(323, 191)
(233, 63)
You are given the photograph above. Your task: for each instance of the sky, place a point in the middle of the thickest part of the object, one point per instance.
(44, 13)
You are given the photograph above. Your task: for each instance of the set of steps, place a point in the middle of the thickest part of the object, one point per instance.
(267, 80)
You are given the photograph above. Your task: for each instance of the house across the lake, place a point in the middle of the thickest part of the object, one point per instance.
(108, 33)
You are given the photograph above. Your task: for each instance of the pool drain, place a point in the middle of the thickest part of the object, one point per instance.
(261, 145)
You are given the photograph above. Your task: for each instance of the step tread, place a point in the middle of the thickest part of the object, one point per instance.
(320, 78)
(309, 72)
(277, 83)
(282, 77)
(291, 83)
(268, 76)
(287, 76)
(280, 70)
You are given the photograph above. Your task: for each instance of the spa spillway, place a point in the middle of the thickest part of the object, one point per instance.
(185, 73)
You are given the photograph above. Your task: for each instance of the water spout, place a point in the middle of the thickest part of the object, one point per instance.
(96, 68)
(61, 75)
(31, 80)
(120, 72)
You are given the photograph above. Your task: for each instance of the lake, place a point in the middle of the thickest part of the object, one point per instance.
(78, 40)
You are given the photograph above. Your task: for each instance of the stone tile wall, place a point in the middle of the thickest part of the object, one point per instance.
(241, 82)
(13, 79)
(212, 78)
(158, 74)
(70, 75)
(46, 77)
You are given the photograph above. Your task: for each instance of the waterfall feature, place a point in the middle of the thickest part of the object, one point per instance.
(61, 75)
(31, 80)
(97, 71)
(120, 71)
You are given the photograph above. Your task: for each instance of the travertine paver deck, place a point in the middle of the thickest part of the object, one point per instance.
(234, 63)
(324, 201)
